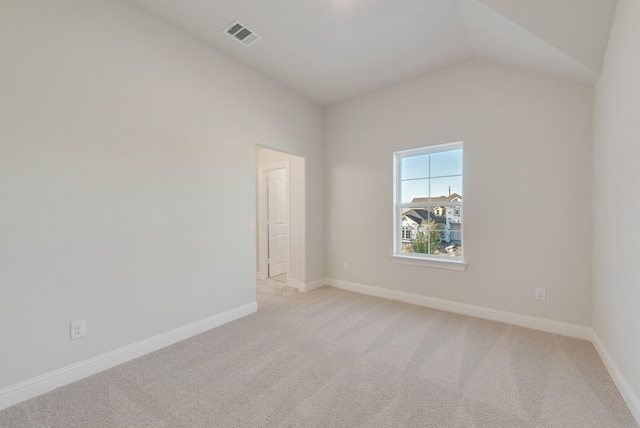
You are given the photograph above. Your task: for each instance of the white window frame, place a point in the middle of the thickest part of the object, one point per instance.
(404, 235)
(430, 260)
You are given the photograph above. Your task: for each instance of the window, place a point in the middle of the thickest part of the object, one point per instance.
(406, 234)
(428, 206)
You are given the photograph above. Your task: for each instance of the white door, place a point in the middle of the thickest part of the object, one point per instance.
(277, 222)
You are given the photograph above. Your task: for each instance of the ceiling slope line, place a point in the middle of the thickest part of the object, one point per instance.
(577, 28)
(496, 37)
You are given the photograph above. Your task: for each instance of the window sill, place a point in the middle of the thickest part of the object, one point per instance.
(436, 263)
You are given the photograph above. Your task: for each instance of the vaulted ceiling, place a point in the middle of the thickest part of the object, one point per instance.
(330, 50)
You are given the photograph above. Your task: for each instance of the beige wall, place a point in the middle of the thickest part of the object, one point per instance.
(127, 166)
(527, 186)
(616, 206)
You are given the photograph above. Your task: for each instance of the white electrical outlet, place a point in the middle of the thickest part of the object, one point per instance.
(78, 329)
(541, 294)
(345, 266)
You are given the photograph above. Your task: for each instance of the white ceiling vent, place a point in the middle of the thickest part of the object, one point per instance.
(241, 33)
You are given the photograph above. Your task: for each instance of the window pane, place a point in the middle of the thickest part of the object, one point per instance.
(415, 167)
(446, 163)
(432, 230)
(445, 187)
(414, 189)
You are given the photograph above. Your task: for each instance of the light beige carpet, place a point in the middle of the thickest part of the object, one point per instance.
(330, 358)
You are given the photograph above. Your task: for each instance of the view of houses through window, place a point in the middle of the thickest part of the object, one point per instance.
(428, 205)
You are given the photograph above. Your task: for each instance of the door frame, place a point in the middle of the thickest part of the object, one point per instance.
(263, 236)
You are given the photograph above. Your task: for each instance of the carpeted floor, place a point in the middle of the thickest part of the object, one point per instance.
(331, 358)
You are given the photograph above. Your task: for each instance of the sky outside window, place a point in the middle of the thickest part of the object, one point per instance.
(431, 175)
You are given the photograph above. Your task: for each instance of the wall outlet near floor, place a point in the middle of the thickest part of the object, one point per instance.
(541, 294)
(78, 329)
(345, 266)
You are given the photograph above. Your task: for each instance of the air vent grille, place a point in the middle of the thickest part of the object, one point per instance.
(241, 33)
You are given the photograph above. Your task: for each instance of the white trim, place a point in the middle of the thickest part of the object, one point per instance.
(301, 286)
(428, 150)
(398, 205)
(430, 262)
(541, 324)
(629, 396)
(297, 284)
(30, 388)
(313, 285)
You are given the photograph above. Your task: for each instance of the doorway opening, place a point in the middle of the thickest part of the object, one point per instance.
(275, 182)
(280, 218)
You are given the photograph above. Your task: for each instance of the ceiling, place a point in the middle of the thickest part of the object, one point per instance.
(331, 50)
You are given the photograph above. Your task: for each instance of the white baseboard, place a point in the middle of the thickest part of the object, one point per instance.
(310, 286)
(629, 396)
(296, 283)
(301, 286)
(542, 324)
(25, 390)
